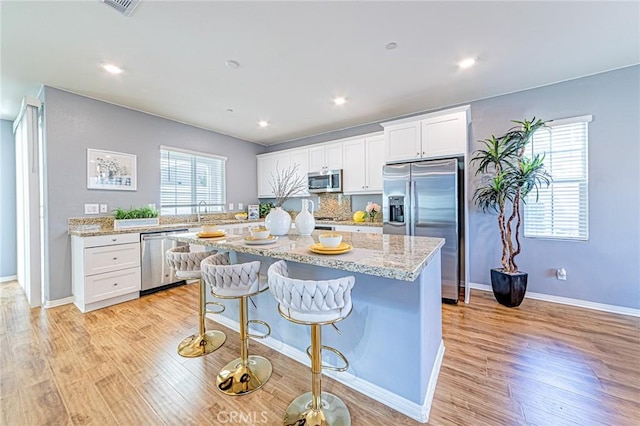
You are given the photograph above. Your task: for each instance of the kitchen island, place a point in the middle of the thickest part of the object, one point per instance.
(393, 337)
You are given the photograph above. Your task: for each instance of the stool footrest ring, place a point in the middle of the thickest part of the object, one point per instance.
(345, 367)
(259, 336)
(220, 305)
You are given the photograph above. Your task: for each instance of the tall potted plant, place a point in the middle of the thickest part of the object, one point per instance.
(508, 176)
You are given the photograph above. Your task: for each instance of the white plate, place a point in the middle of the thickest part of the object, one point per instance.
(255, 242)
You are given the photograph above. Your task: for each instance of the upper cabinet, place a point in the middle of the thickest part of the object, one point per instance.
(436, 135)
(325, 157)
(364, 171)
(269, 164)
(300, 158)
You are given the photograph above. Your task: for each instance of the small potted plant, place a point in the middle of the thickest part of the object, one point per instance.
(134, 218)
(508, 176)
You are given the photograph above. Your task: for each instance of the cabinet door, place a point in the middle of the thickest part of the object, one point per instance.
(317, 158)
(354, 176)
(375, 161)
(444, 136)
(267, 169)
(300, 158)
(333, 156)
(402, 142)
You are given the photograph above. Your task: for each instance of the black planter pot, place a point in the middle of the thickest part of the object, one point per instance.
(509, 289)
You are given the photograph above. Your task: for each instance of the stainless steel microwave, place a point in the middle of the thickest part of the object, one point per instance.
(325, 181)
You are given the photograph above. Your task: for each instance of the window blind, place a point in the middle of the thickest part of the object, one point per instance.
(561, 211)
(189, 178)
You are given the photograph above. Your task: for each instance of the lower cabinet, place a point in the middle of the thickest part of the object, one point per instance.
(361, 229)
(105, 270)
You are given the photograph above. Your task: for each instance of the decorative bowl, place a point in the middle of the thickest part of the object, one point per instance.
(241, 216)
(259, 233)
(209, 229)
(330, 239)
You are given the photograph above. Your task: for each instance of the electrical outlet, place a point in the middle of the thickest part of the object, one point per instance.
(230, 207)
(103, 208)
(91, 208)
(561, 274)
(240, 206)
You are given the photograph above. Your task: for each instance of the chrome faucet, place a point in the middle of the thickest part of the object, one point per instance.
(203, 202)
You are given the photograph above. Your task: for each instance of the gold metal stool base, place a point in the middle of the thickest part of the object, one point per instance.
(197, 345)
(333, 412)
(238, 379)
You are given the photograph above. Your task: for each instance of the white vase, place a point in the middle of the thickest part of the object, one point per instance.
(278, 222)
(305, 223)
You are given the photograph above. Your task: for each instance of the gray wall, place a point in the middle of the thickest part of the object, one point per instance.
(74, 123)
(605, 269)
(7, 200)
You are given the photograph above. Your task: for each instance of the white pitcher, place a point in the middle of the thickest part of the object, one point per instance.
(305, 223)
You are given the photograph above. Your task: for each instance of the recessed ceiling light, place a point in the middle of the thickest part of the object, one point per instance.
(466, 63)
(339, 100)
(263, 123)
(112, 69)
(391, 46)
(232, 64)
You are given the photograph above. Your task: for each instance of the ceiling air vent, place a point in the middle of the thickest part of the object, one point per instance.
(125, 7)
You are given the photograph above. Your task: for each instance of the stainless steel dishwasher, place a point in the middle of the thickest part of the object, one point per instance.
(156, 274)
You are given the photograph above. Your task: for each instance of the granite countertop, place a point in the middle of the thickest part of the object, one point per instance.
(92, 230)
(398, 257)
(106, 228)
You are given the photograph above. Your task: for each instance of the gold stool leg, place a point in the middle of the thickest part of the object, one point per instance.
(204, 342)
(316, 408)
(249, 372)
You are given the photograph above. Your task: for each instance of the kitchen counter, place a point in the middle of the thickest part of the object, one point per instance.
(392, 256)
(92, 230)
(393, 336)
(105, 227)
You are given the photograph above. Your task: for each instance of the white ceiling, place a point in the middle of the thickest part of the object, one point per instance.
(296, 56)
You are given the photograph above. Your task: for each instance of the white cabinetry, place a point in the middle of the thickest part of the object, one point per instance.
(267, 166)
(300, 158)
(363, 173)
(360, 229)
(106, 270)
(325, 157)
(436, 135)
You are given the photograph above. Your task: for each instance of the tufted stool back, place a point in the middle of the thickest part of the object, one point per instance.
(184, 262)
(228, 280)
(310, 301)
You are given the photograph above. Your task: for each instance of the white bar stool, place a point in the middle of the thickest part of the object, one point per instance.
(186, 265)
(249, 372)
(314, 303)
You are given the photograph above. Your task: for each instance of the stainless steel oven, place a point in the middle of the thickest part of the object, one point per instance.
(325, 181)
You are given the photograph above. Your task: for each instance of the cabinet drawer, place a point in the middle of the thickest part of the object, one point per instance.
(111, 284)
(109, 240)
(361, 229)
(98, 260)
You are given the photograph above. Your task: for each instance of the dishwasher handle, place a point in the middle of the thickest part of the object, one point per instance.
(147, 236)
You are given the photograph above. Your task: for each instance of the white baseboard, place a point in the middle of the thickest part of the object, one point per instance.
(408, 408)
(58, 302)
(622, 310)
(8, 278)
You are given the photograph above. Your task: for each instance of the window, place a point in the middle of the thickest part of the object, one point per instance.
(190, 179)
(561, 211)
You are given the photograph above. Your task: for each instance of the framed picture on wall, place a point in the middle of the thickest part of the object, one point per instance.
(111, 170)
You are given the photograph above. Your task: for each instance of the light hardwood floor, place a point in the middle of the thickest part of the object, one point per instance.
(540, 364)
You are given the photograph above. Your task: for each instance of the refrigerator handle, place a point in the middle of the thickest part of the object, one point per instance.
(413, 215)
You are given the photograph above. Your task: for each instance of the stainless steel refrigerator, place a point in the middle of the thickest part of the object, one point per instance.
(424, 199)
